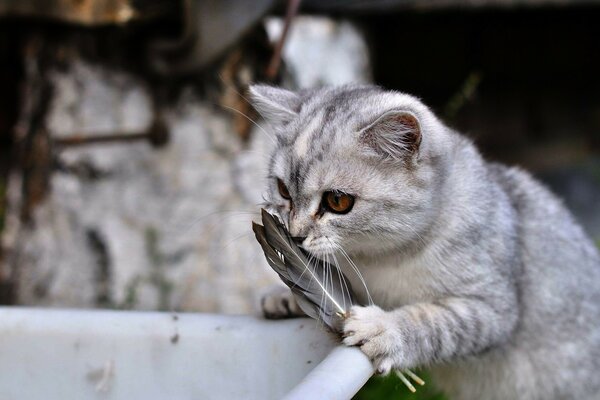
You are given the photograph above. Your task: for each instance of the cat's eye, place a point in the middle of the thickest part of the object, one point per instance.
(283, 190)
(337, 202)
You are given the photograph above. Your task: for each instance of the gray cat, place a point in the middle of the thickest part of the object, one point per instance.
(476, 270)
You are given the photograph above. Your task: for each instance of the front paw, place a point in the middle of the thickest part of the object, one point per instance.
(374, 331)
(279, 302)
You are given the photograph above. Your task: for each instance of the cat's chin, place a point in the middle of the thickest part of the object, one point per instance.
(321, 250)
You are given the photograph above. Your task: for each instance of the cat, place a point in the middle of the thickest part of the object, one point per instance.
(475, 269)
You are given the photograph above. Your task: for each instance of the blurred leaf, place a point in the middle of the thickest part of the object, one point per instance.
(391, 388)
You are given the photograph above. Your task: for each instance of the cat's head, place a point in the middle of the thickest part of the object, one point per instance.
(354, 166)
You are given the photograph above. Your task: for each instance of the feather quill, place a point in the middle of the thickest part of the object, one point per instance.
(321, 289)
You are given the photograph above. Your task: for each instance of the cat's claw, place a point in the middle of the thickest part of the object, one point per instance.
(385, 366)
(279, 302)
(372, 329)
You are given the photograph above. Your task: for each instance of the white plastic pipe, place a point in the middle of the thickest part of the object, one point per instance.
(338, 377)
(117, 355)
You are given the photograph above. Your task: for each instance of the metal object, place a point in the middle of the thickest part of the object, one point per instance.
(209, 28)
(32, 141)
(362, 7)
(292, 10)
(157, 135)
(87, 12)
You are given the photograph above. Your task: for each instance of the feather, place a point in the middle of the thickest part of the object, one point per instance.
(321, 289)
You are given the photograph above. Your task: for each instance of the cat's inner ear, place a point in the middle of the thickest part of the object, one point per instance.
(396, 135)
(276, 105)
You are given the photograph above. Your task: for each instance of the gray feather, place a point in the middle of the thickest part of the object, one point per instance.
(321, 289)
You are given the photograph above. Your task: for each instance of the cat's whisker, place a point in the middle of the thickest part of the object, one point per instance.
(358, 274)
(342, 279)
(194, 222)
(312, 273)
(310, 259)
(342, 284)
(325, 279)
(414, 231)
(269, 135)
(354, 268)
(235, 239)
(330, 272)
(232, 88)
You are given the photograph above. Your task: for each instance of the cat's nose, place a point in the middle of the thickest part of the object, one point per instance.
(298, 239)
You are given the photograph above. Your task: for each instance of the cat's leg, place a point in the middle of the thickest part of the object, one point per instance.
(424, 333)
(279, 302)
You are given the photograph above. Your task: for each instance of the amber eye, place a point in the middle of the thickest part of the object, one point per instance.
(283, 190)
(337, 202)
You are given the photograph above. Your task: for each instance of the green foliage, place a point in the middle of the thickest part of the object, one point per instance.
(157, 276)
(131, 295)
(391, 388)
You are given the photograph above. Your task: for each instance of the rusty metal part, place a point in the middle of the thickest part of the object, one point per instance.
(27, 179)
(209, 28)
(32, 140)
(87, 12)
(157, 135)
(231, 98)
(228, 81)
(292, 10)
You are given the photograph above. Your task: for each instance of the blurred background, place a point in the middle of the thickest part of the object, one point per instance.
(131, 163)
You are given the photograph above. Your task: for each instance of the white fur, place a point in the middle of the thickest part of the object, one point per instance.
(475, 269)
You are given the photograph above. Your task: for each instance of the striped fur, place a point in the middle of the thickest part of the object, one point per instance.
(475, 268)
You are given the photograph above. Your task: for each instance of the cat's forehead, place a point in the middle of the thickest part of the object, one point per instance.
(317, 142)
(320, 169)
(320, 131)
(340, 105)
(320, 148)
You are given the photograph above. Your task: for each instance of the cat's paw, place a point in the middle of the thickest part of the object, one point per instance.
(279, 302)
(374, 331)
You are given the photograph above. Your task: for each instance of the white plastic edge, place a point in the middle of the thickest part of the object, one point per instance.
(338, 377)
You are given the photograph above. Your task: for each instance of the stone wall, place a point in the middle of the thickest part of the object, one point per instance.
(131, 226)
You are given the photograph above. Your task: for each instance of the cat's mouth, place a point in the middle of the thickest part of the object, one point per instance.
(320, 247)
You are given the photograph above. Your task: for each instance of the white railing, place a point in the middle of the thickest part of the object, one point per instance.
(114, 355)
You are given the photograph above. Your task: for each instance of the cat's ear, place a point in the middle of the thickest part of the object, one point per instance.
(277, 105)
(395, 135)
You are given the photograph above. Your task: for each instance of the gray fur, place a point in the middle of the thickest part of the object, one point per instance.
(476, 269)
